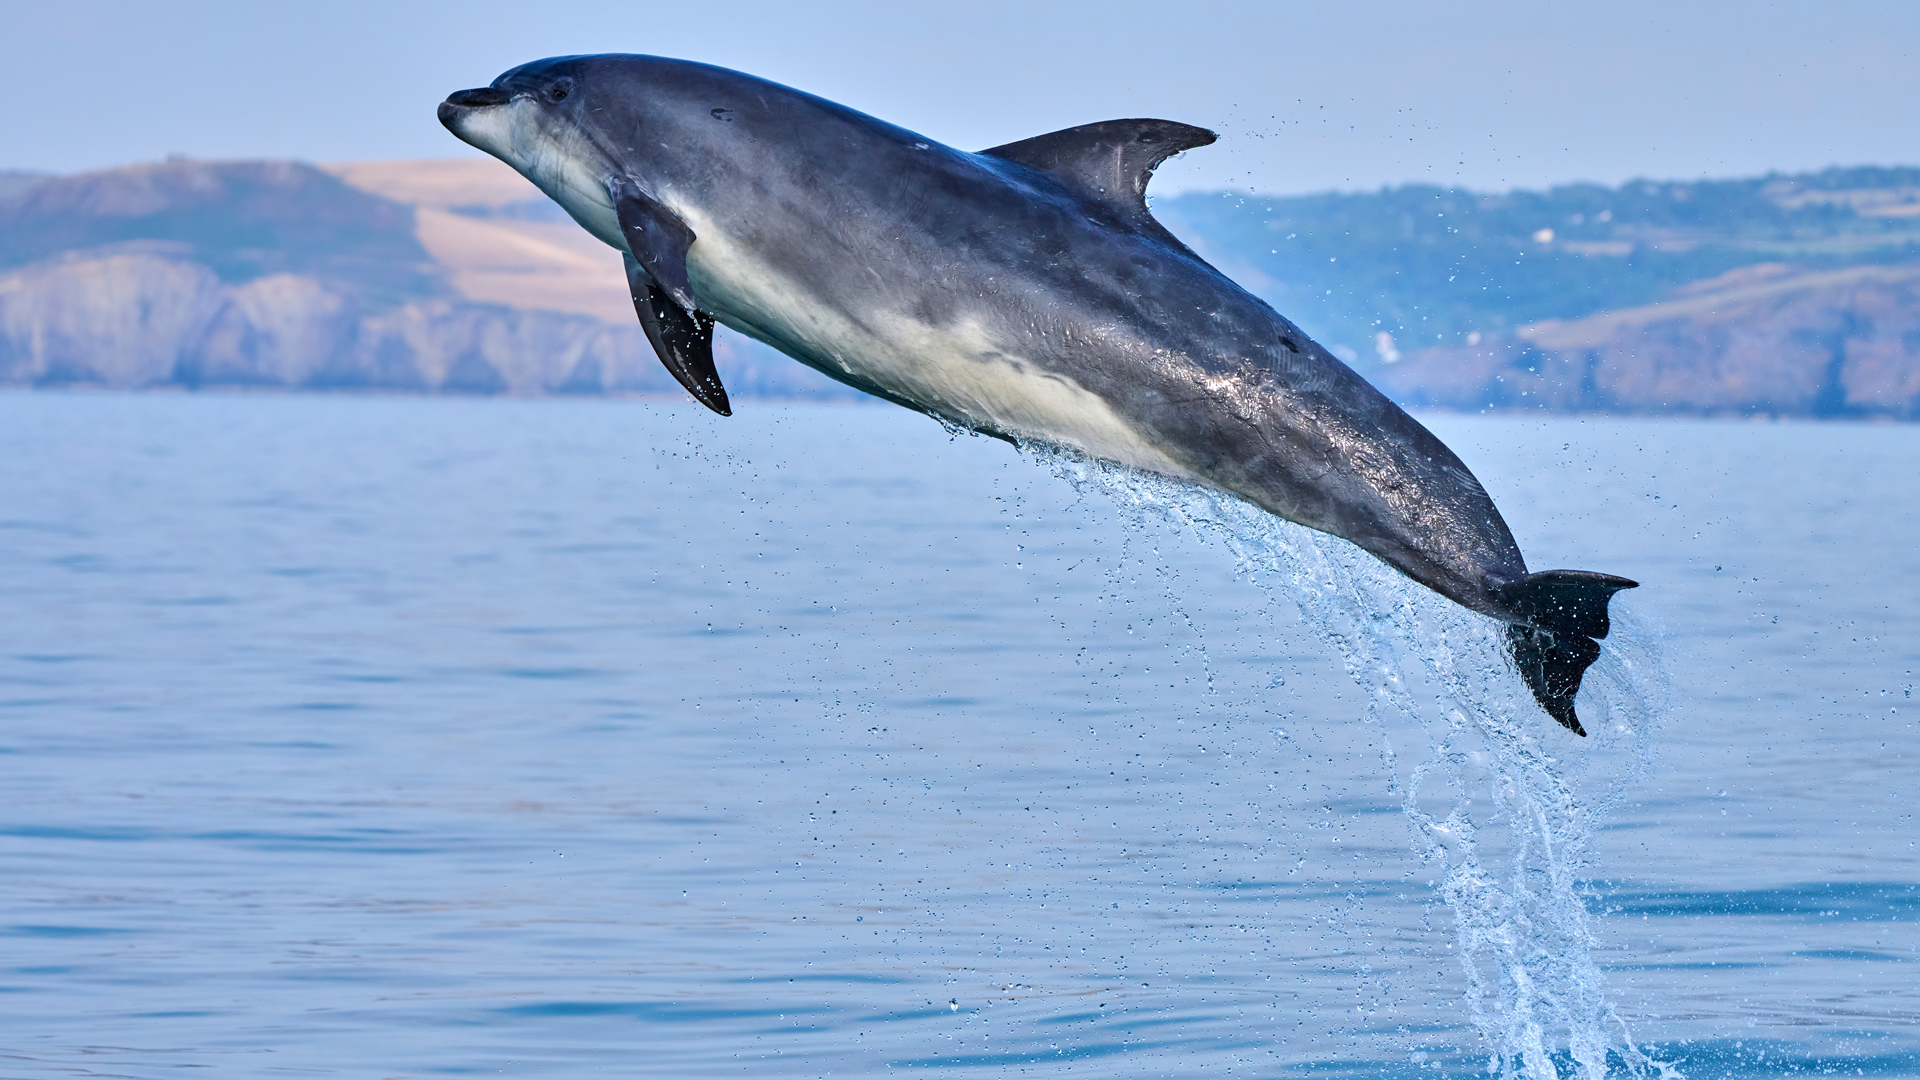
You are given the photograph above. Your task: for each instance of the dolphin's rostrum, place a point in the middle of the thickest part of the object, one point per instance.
(1023, 291)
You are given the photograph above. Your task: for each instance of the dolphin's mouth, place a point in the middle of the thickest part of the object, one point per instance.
(460, 101)
(477, 99)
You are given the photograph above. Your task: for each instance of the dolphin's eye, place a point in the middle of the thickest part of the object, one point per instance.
(558, 91)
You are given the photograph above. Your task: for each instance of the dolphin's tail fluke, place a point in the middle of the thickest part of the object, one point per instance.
(1563, 611)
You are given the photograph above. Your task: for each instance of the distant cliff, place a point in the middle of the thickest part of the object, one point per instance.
(1779, 295)
(139, 315)
(1765, 340)
(281, 274)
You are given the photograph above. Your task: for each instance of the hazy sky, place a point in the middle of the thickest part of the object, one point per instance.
(1305, 96)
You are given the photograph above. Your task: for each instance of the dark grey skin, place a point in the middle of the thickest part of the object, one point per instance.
(1024, 291)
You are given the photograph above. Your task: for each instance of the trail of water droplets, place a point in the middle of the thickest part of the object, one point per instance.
(1512, 876)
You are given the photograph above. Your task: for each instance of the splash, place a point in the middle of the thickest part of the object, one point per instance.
(1511, 875)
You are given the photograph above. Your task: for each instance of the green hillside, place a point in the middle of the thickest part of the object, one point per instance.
(1433, 265)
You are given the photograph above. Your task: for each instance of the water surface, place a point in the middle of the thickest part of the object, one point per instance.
(396, 737)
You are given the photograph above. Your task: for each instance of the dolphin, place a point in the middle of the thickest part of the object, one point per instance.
(1023, 291)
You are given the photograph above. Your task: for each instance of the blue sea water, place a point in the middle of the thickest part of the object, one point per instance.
(409, 736)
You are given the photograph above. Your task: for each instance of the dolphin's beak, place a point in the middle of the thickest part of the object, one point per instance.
(460, 102)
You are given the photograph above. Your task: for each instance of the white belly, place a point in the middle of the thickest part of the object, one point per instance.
(958, 371)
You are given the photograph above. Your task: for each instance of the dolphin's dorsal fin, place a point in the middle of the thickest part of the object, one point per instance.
(1109, 162)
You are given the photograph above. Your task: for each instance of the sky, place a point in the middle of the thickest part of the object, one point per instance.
(1488, 94)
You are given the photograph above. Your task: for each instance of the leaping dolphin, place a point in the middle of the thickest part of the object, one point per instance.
(1023, 291)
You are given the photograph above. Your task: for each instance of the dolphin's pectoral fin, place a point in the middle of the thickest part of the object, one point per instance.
(1108, 162)
(682, 334)
(657, 238)
(682, 338)
(1565, 610)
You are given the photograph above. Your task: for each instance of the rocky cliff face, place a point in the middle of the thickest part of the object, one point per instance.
(143, 318)
(280, 274)
(1765, 339)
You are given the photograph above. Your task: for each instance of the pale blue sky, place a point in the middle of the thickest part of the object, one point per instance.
(1306, 96)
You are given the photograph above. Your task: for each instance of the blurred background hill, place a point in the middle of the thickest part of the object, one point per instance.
(1790, 295)
(1782, 294)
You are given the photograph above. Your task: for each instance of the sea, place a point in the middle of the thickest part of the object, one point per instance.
(417, 736)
